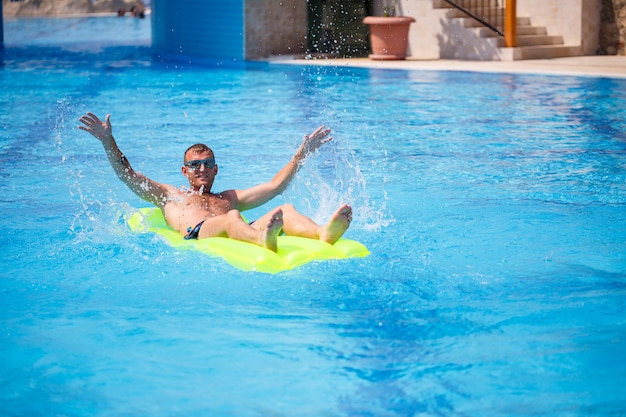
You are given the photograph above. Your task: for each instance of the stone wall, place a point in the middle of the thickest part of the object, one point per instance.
(275, 27)
(612, 36)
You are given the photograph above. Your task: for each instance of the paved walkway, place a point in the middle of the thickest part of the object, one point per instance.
(599, 66)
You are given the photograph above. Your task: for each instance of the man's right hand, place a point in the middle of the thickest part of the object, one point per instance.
(99, 129)
(312, 142)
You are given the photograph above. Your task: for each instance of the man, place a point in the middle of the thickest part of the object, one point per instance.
(199, 213)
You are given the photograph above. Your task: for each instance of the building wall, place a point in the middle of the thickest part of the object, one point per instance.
(204, 29)
(432, 36)
(275, 27)
(238, 29)
(253, 29)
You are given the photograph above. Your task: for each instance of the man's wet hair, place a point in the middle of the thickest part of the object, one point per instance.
(197, 148)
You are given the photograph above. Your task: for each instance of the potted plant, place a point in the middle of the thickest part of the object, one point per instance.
(389, 34)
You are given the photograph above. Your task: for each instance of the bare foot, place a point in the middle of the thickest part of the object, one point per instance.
(270, 233)
(337, 225)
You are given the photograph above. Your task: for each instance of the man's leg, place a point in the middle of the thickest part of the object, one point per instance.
(233, 226)
(297, 224)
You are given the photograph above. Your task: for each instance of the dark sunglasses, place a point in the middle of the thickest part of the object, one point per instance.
(208, 163)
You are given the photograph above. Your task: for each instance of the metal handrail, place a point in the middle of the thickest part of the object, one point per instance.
(486, 21)
(503, 17)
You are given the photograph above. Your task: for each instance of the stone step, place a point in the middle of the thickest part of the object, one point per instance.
(531, 30)
(538, 40)
(442, 4)
(537, 52)
(548, 51)
(484, 32)
(468, 22)
(479, 12)
(535, 40)
(478, 3)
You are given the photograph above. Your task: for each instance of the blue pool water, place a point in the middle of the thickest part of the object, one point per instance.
(494, 206)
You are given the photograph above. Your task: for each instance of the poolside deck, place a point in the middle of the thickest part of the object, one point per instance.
(606, 65)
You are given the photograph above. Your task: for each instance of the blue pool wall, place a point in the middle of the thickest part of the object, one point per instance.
(205, 29)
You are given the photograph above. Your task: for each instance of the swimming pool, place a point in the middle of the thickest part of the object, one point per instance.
(493, 205)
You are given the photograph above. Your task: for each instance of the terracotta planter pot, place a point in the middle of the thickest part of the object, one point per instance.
(389, 36)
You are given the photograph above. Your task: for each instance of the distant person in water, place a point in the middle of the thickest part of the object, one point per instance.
(199, 213)
(138, 11)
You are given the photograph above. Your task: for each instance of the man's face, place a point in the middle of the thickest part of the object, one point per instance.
(200, 169)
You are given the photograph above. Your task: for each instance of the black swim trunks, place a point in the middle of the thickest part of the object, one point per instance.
(193, 233)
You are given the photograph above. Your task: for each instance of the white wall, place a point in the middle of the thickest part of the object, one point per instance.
(426, 35)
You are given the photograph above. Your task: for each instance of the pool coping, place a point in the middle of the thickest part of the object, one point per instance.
(612, 66)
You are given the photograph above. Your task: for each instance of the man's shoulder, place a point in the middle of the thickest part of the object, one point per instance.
(171, 193)
(230, 196)
(171, 190)
(227, 193)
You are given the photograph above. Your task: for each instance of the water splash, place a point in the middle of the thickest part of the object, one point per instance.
(87, 218)
(321, 190)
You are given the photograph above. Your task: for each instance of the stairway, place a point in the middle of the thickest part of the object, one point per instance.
(477, 42)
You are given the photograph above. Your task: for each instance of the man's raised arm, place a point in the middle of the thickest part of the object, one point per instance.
(141, 185)
(262, 193)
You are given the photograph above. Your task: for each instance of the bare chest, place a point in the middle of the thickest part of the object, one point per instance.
(188, 210)
(209, 205)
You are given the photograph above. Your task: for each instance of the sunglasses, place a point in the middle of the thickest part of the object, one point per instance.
(208, 163)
